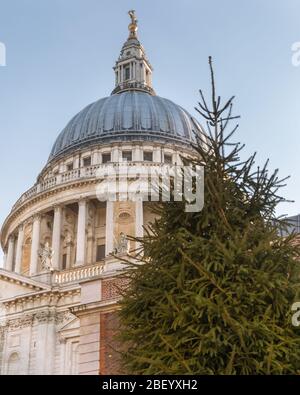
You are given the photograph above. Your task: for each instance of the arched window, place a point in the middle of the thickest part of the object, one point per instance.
(13, 367)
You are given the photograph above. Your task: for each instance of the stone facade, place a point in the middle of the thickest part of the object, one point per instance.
(58, 299)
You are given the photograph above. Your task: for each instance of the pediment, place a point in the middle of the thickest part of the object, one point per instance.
(72, 324)
(13, 285)
(69, 328)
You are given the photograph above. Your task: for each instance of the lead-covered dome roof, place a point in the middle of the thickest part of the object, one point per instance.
(127, 116)
(132, 113)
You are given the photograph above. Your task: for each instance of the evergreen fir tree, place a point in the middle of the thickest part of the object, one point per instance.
(214, 292)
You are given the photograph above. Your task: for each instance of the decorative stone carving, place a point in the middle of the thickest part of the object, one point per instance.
(61, 339)
(124, 217)
(63, 317)
(45, 316)
(122, 245)
(68, 239)
(3, 330)
(46, 255)
(20, 323)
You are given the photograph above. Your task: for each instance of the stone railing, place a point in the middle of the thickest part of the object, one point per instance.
(78, 274)
(72, 175)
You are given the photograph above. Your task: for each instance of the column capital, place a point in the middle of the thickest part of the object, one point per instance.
(57, 207)
(36, 217)
(25, 222)
(21, 226)
(82, 201)
(11, 238)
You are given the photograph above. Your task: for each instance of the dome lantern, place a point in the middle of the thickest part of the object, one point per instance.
(133, 70)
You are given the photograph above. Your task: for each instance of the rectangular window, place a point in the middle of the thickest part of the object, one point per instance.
(64, 262)
(87, 161)
(168, 159)
(100, 253)
(106, 158)
(148, 156)
(70, 166)
(127, 156)
(127, 73)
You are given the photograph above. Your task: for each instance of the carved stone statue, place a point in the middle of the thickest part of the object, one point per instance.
(133, 17)
(46, 255)
(123, 245)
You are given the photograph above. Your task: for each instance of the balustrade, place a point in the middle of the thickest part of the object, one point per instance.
(77, 274)
(73, 175)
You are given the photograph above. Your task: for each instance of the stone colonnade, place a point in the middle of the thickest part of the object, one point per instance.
(13, 256)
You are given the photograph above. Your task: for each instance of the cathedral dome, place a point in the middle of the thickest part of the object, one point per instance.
(127, 116)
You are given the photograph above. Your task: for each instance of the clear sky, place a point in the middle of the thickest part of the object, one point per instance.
(60, 55)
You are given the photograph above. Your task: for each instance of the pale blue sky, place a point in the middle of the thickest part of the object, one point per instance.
(60, 55)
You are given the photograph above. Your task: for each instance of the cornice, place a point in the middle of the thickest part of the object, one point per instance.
(42, 316)
(94, 307)
(18, 279)
(40, 197)
(52, 296)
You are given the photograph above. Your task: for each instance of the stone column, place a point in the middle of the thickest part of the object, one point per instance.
(56, 237)
(35, 244)
(144, 74)
(4, 259)
(19, 252)
(10, 253)
(77, 162)
(95, 158)
(137, 154)
(69, 254)
(45, 344)
(109, 228)
(139, 218)
(157, 155)
(115, 154)
(81, 233)
(175, 158)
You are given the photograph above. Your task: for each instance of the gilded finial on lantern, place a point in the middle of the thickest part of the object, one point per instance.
(133, 27)
(133, 71)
